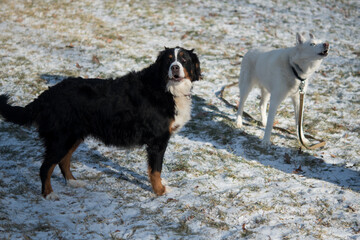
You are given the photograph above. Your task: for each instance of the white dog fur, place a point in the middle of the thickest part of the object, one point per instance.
(278, 73)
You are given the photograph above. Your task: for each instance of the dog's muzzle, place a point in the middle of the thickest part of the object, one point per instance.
(326, 49)
(176, 72)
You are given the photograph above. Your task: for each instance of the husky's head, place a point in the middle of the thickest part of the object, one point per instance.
(312, 49)
(309, 54)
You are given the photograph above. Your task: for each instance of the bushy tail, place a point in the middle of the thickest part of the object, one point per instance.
(14, 114)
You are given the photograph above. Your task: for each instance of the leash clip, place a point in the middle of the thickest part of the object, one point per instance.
(301, 87)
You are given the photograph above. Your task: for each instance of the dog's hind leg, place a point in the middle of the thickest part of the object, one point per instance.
(265, 96)
(46, 170)
(245, 85)
(56, 151)
(295, 101)
(64, 165)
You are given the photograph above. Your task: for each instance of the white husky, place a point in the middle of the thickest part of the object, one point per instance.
(279, 73)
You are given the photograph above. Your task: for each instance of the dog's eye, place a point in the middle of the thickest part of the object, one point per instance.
(312, 44)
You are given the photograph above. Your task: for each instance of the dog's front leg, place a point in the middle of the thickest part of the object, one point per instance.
(275, 100)
(265, 96)
(156, 153)
(295, 101)
(245, 86)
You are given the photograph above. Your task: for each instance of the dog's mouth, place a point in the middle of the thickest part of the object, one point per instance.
(177, 78)
(324, 53)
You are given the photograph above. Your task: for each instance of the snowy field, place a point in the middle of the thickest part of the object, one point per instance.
(224, 184)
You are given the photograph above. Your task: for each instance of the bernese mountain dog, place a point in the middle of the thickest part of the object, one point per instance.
(140, 108)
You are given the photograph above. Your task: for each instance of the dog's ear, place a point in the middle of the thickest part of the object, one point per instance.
(299, 39)
(311, 36)
(161, 55)
(196, 63)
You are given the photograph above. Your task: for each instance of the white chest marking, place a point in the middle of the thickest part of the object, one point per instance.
(182, 113)
(181, 92)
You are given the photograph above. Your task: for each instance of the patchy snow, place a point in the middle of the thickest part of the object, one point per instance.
(224, 185)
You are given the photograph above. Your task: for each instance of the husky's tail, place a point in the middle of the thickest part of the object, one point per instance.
(14, 114)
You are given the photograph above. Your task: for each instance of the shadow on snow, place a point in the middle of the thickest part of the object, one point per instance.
(224, 135)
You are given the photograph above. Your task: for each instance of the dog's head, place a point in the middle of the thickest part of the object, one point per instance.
(182, 67)
(180, 64)
(311, 49)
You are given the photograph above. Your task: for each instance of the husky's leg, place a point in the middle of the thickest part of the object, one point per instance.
(265, 96)
(245, 85)
(275, 99)
(295, 100)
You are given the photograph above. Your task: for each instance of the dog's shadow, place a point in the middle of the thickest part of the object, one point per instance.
(110, 167)
(224, 134)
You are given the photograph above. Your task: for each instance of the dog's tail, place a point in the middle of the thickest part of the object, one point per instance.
(14, 114)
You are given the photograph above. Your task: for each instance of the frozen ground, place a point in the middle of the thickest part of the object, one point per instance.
(224, 185)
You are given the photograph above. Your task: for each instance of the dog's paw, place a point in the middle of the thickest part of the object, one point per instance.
(76, 183)
(165, 184)
(163, 181)
(167, 190)
(265, 143)
(52, 196)
(239, 123)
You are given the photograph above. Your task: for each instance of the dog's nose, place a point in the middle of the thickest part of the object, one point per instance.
(175, 68)
(326, 45)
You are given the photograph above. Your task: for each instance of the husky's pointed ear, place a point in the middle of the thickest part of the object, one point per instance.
(311, 36)
(166, 48)
(299, 39)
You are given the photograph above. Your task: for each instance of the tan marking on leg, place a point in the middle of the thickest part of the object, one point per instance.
(47, 184)
(155, 181)
(64, 164)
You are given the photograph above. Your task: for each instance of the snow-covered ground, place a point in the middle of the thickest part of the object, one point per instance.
(224, 184)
